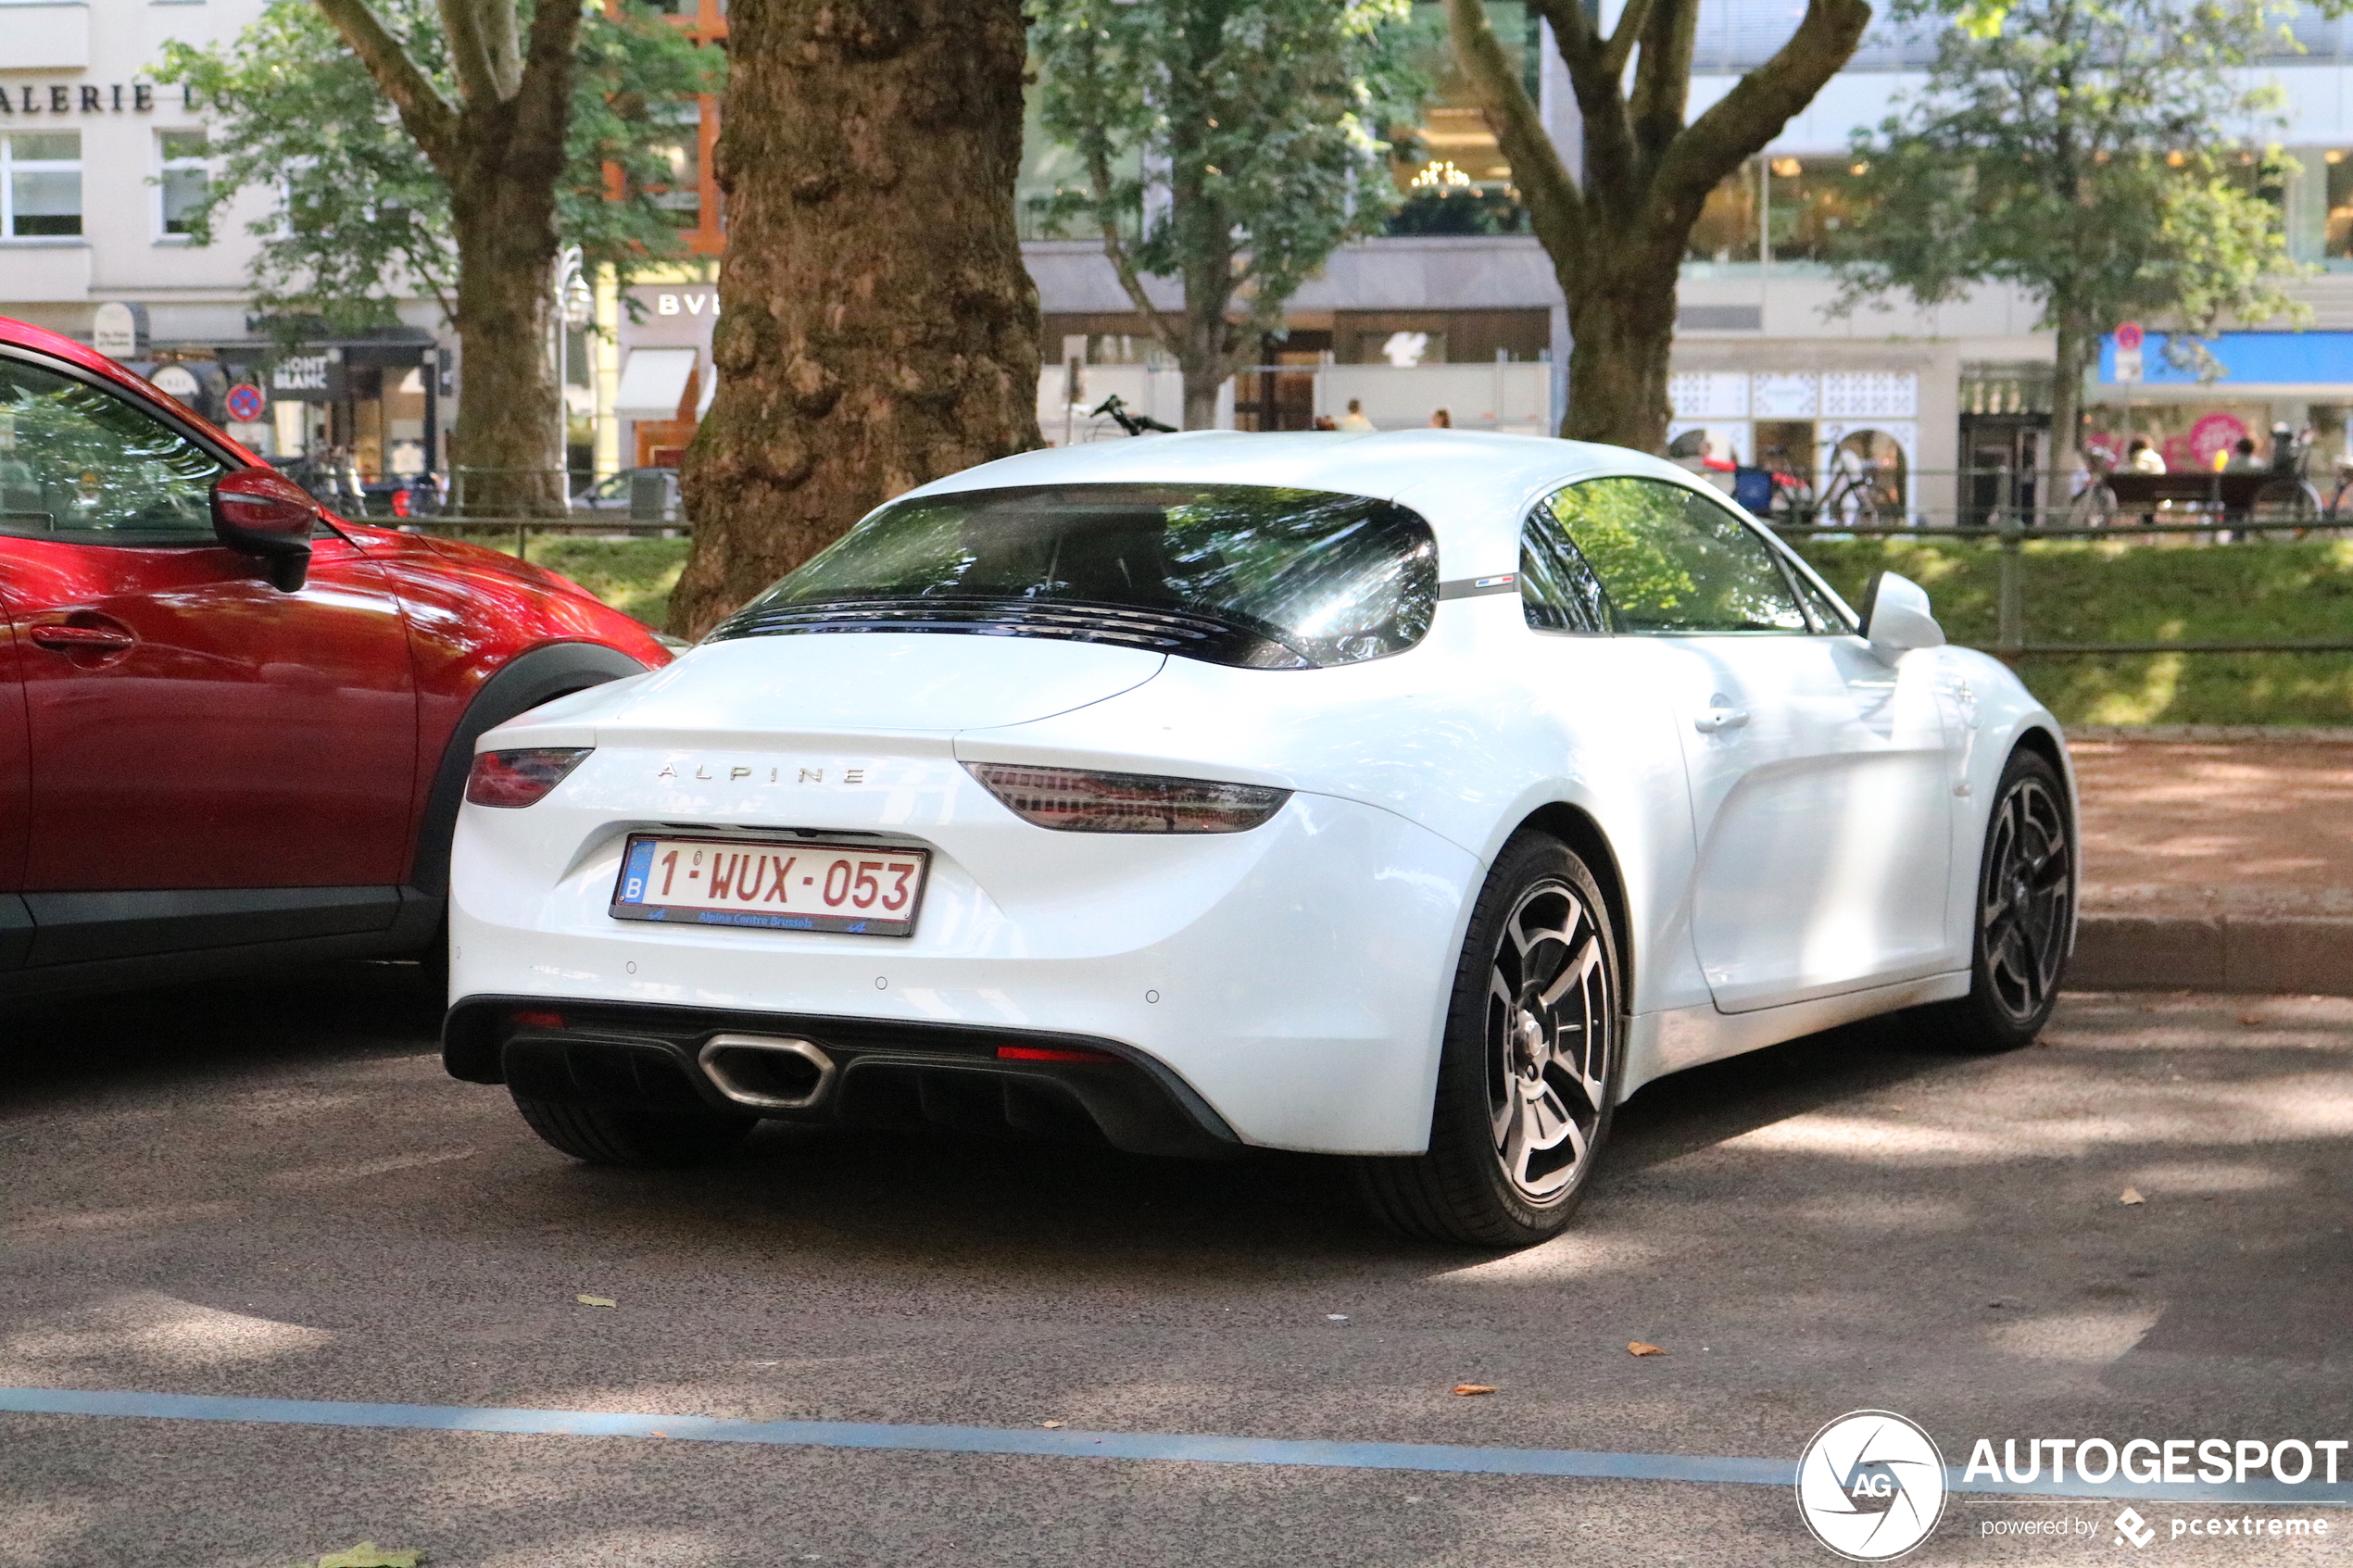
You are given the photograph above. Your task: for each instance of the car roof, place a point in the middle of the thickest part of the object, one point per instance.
(1475, 488)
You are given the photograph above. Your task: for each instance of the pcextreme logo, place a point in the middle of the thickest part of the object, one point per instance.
(1870, 1485)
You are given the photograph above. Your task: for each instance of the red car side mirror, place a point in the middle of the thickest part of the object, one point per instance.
(263, 513)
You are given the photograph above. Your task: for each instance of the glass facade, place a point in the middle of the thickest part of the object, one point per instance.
(1449, 168)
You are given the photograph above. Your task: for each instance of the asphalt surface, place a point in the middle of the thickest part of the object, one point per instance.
(272, 1190)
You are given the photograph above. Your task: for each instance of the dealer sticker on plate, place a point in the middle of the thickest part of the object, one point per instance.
(861, 889)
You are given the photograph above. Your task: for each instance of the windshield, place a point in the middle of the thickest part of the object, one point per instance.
(1237, 574)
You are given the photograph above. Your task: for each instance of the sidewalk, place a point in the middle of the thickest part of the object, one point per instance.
(2217, 860)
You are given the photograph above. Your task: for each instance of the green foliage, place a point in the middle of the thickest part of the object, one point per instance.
(1245, 133)
(2091, 153)
(2080, 592)
(635, 576)
(360, 219)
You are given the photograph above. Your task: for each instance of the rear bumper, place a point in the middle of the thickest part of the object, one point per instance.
(882, 1074)
(1295, 976)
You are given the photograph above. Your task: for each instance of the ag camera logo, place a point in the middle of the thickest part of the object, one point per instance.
(1870, 1485)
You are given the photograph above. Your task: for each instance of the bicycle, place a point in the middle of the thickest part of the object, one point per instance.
(1134, 425)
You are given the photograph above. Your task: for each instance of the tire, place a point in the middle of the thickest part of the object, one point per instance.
(1518, 1122)
(614, 1135)
(2024, 914)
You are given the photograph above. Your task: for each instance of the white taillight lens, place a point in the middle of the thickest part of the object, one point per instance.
(518, 778)
(1080, 800)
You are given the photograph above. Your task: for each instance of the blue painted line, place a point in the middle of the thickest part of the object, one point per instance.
(1063, 1443)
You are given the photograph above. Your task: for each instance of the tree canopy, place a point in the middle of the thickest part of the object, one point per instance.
(361, 218)
(1230, 144)
(2101, 156)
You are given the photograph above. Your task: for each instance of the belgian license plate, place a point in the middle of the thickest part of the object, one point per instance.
(859, 889)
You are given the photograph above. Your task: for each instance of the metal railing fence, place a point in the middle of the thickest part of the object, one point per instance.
(2209, 521)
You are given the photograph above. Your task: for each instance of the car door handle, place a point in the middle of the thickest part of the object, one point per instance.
(1720, 717)
(82, 639)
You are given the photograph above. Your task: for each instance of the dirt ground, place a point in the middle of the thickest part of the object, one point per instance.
(2198, 827)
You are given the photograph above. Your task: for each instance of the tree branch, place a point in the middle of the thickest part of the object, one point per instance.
(425, 113)
(1631, 24)
(1554, 200)
(1742, 122)
(543, 88)
(1662, 81)
(476, 30)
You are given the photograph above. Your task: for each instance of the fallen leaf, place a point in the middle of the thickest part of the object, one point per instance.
(1469, 1388)
(2249, 1020)
(2130, 1195)
(1642, 1348)
(1047, 1423)
(596, 1300)
(366, 1554)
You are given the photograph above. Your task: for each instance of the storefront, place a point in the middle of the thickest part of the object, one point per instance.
(2260, 384)
(665, 372)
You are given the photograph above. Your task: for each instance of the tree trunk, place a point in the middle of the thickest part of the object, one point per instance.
(500, 147)
(1201, 396)
(505, 445)
(2067, 391)
(1623, 321)
(877, 328)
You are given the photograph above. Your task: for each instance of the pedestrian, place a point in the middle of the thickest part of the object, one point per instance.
(2142, 458)
(1324, 421)
(1355, 418)
(1440, 420)
(2242, 458)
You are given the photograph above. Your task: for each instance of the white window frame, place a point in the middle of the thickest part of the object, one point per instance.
(9, 167)
(167, 166)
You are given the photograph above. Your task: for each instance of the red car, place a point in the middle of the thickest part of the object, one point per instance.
(233, 727)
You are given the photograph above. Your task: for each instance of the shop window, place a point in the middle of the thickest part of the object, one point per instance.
(1729, 227)
(1449, 168)
(1809, 200)
(40, 185)
(182, 182)
(2337, 240)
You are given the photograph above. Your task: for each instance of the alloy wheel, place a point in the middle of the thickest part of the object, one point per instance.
(2026, 899)
(1551, 1033)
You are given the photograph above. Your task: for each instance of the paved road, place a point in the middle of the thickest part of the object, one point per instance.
(274, 1192)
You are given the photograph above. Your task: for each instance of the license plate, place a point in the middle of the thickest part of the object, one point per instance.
(771, 885)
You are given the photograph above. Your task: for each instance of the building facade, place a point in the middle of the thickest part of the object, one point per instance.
(1450, 309)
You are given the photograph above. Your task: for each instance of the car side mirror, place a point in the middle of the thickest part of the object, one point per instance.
(262, 512)
(1896, 617)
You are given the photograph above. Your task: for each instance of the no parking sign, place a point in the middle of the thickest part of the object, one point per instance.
(245, 402)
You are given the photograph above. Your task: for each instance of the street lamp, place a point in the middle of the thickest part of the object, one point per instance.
(575, 307)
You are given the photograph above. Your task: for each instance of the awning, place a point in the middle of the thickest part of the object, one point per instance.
(654, 383)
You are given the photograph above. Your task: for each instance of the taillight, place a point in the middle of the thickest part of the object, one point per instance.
(518, 778)
(1080, 800)
(1040, 1053)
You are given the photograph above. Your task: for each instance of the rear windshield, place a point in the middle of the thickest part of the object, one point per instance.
(1247, 575)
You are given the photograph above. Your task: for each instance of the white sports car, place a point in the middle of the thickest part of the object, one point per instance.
(1413, 797)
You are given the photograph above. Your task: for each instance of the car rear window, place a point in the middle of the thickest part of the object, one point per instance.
(1249, 575)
